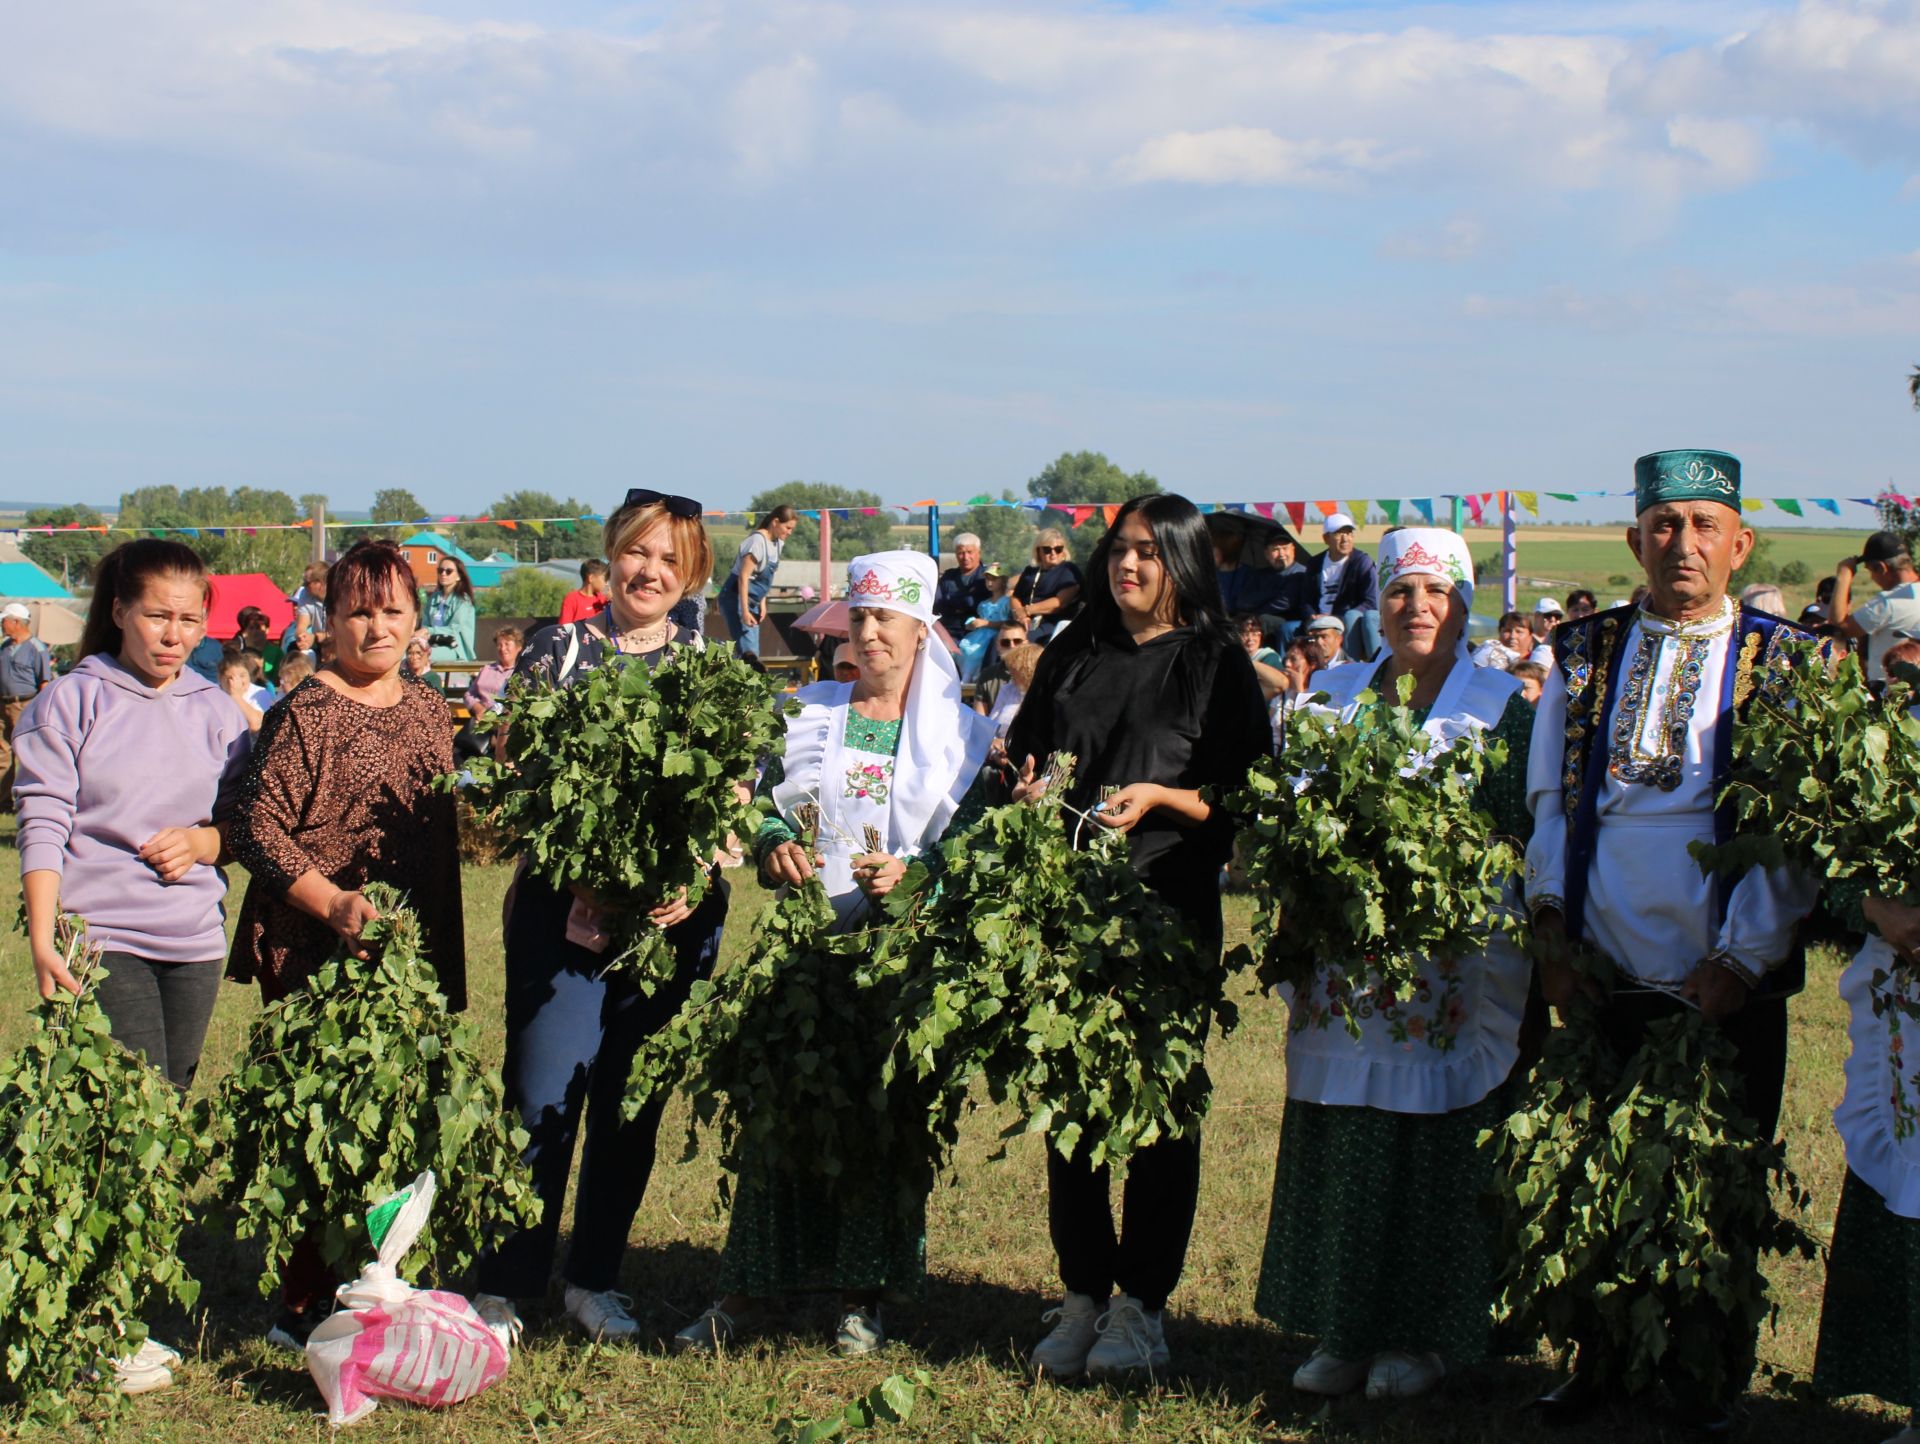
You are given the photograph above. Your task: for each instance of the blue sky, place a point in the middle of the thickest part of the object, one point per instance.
(1262, 251)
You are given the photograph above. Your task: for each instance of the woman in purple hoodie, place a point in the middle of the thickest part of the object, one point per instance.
(128, 765)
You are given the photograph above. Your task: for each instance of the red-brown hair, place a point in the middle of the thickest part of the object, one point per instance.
(367, 573)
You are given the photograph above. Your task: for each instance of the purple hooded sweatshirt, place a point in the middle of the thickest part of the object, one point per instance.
(105, 763)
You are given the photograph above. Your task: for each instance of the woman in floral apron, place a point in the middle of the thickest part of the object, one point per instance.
(894, 756)
(1377, 1246)
(1870, 1315)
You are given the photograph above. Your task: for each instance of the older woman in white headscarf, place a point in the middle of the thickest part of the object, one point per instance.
(897, 756)
(1377, 1246)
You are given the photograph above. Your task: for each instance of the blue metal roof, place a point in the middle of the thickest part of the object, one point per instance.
(24, 579)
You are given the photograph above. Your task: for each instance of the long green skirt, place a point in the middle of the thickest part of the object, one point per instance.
(1383, 1234)
(788, 1236)
(1870, 1316)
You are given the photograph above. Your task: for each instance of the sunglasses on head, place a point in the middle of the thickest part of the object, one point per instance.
(681, 506)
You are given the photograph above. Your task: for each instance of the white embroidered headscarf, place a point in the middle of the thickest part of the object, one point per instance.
(1429, 551)
(941, 744)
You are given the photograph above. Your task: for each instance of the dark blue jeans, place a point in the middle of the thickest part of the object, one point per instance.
(571, 1037)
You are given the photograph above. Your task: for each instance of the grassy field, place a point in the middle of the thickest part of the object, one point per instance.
(992, 1275)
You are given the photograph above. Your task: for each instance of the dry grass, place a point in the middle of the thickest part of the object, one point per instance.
(992, 1274)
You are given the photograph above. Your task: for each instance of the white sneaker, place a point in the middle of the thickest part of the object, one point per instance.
(860, 1332)
(602, 1315)
(1325, 1373)
(1062, 1354)
(499, 1315)
(709, 1333)
(1130, 1339)
(1402, 1376)
(146, 1369)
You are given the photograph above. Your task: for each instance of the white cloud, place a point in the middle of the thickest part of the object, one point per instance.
(1245, 155)
(1459, 239)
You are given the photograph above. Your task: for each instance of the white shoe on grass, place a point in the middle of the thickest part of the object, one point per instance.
(499, 1315)
(1062, 1354)
(1403, 1376)
(1329, 1374)
(860, 1332)
(1130, 1339)
(603, 1315)
(146, 1369)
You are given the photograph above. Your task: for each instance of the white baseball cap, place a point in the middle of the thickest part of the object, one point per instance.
(13, 611)
(1547, 606)
(1337, 521)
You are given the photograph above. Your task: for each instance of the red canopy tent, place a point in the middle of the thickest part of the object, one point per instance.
(247, 589)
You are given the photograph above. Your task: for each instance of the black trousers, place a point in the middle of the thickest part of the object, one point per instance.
(160, 1010)
(1143, 1257)
(1758, 1033)
(572, 1031)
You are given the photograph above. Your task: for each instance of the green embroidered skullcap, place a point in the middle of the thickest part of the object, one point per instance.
(1686, 476)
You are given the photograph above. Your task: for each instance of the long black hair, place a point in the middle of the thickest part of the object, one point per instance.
(1186, 553)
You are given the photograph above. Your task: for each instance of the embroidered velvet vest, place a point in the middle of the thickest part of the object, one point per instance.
(1588, 655)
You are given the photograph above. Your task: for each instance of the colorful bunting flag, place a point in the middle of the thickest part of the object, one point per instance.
(1297, 514)
(1392, 509)
(1826, 503)
(1791, 508)
(1424, 505)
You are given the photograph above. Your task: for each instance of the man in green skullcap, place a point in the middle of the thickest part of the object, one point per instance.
(1631, 745)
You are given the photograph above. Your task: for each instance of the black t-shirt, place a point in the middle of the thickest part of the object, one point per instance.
(1034, 585)
(1184, 710)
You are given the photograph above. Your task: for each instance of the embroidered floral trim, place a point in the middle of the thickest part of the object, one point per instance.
(1433, 1014)
(1583, 667)
(1631, 761)
(1896, 999)
(872, 781)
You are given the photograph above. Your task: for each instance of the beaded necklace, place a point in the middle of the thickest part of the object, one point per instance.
(1631, 760)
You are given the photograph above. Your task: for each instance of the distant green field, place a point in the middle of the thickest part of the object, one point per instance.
(1556, 560)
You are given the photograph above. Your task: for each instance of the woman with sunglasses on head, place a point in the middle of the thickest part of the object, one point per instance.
(446, 611)
(573, 1026)
(1154, 696)
(1047, 593)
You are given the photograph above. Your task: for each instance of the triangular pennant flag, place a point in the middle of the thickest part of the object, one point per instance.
(1563, 496)
(1264, 508)
(509, 525)
(217, 530)
(1826, 503)
(869, 511)
(539, 528)
(1477, 506)
(250, 531)
(1357, 509)
(1789, 506)
(981, 500)
(1297, 514)
(1110, 511)
(1392, 510)
(1424, 505)
(1327, 508)
(1752, 503)
(566, 525)
(1079, 514)
(186, 530)
(1864, 500)
(1530, 500)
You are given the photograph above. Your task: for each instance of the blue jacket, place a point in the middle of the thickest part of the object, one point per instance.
(1359, 586)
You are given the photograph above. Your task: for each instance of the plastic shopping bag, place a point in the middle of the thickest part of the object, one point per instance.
(387, 1340)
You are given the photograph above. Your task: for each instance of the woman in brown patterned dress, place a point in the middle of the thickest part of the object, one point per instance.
(340, 794)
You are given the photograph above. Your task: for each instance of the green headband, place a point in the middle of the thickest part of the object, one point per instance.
(1686, 476)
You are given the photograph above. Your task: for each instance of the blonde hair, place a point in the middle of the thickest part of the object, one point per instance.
(693, 553)
(1049, 534)
(1020, 662)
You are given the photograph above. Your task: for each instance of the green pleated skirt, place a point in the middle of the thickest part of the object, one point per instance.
(792, 1236)
(1384, 1234)
(1870, 1315)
